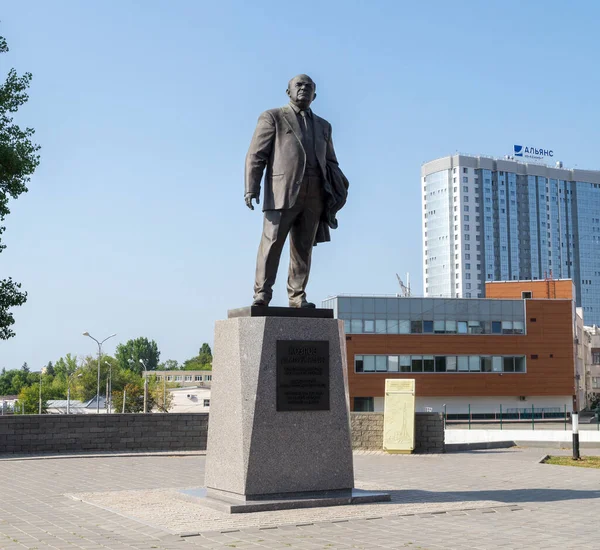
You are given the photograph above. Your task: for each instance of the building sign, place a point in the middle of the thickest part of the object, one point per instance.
(534, 153)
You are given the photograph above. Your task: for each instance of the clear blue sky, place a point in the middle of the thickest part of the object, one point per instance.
(135, 221)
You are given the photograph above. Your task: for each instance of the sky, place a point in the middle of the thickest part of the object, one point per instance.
(135, 222)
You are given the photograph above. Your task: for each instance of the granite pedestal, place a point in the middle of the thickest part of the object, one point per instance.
(279, 430)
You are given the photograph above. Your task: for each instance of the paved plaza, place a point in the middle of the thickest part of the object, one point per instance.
(485, 499)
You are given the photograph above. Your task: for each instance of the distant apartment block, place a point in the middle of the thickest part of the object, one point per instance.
(183, 378)
(488, 219)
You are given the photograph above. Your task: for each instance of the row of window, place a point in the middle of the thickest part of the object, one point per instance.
(383, 326)
(186, 378)
(439, 363)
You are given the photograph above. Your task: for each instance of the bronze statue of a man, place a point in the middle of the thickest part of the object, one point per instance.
(303, 189)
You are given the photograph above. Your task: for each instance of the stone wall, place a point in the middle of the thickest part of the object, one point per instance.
(113, 432)
(367, 432)
(170, 432)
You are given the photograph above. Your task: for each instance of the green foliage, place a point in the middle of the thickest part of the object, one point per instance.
(203, 361)
(13, 381)
(18, 160)
(29, 400)
(161, 396)
(134, 399)
(128, 355)
(169, 364)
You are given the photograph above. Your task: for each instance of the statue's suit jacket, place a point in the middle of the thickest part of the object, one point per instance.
(277, 145)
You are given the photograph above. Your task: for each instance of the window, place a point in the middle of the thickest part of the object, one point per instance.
(465, 170)
(198, 378)
(169, 378)
(364, 404)
(465, 179)
(188, 378)
(465, 188)
(428, 326)
(404, 363)
(178, 378)
(206, 402)
(416, 327)
(381, 363)
(417, 363)
(358, 363)
(440, 364)
(428, 363)
(596, 357)
(496, 327)
(486, 364)
(208, 378)
(466, 208)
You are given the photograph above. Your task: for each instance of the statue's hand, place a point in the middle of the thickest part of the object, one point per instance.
(248, 197)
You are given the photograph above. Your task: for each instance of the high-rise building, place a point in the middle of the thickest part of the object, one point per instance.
(487, 219)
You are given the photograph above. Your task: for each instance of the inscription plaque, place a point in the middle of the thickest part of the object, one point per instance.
(302, 375)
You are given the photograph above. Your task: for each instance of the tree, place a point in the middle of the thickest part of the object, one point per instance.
(134, 399)
(128, 355)
(12, 381)
(25, 367)
(205, 354)
(50, 369)
(169, 364)
(203, 361)
(29, 400)
(18, 161)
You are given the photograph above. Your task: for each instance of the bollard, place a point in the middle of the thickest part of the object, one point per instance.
(575, 422)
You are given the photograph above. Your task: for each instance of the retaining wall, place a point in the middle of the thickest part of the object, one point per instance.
(104, 432)
(50, 433)
(367, 432)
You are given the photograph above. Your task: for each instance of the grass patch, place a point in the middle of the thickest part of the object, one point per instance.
(585, 462)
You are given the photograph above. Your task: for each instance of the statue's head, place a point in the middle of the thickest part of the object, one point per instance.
(301, 91)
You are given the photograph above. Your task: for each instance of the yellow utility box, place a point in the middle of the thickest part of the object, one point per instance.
(399, 416)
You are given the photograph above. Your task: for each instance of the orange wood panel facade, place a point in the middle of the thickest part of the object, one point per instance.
(550, 288)
(549, 335)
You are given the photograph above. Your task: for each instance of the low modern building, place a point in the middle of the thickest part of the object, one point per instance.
(513, 352)
(183, 378)
(190, 400)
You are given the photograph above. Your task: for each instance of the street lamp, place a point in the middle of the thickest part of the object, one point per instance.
(109, 388)
(145, 385)
(69, 380)
(42, 372)
(99, 356)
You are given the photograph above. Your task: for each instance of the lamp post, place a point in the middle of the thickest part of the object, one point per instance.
(145, 385)
(42, 372)
(109, 388)
(69, 380)
(99, 357)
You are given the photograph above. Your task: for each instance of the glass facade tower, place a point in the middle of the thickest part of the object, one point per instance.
(487, 219)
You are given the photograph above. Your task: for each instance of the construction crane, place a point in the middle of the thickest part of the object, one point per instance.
(404, 288)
